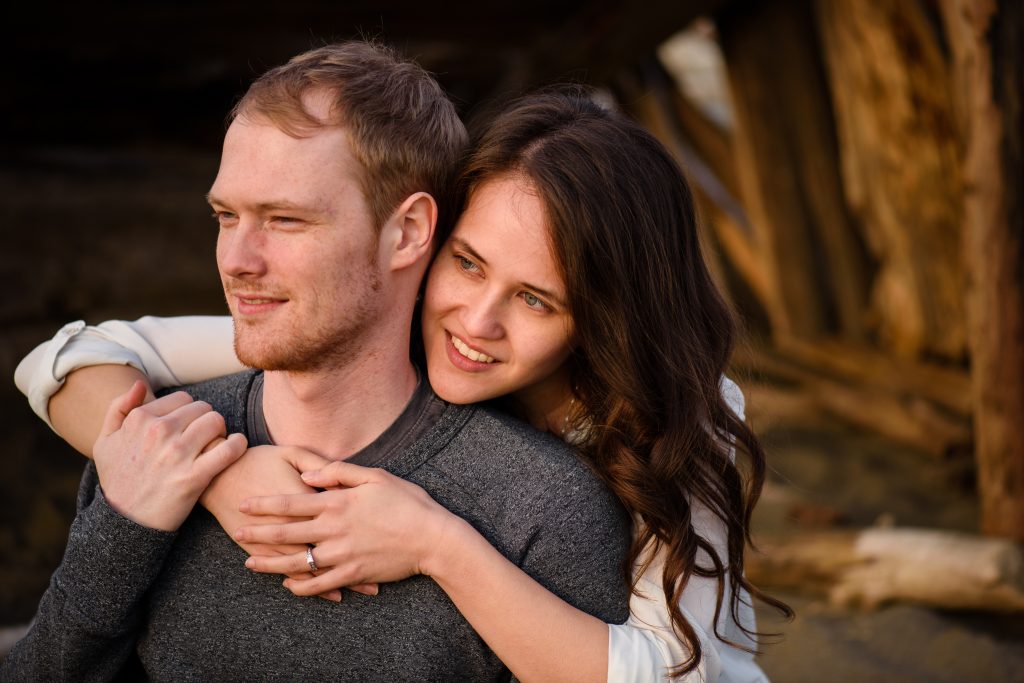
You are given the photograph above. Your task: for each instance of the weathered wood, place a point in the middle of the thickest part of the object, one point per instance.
(598, 38)
(989, 91)
(787, 167)
(653, 99)
(873, 567)
(711, 142)
(878, 397)
(945, 386)
(900, 171)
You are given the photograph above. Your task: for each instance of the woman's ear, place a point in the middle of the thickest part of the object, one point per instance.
(407, 236)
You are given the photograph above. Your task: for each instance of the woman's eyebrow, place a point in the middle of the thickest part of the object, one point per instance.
(465, 246)
(544, 292)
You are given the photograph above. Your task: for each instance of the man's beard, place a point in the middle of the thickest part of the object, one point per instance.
(332, 343)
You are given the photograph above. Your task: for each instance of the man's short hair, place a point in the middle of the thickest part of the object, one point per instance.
(403, 128)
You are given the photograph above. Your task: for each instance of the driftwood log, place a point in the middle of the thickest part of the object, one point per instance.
(873, 567)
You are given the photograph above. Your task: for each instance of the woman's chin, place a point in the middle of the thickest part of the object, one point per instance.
(459, 392)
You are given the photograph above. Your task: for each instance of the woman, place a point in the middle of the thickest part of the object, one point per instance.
(573, 290)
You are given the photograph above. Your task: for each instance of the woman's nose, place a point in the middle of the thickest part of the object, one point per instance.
(482, 318)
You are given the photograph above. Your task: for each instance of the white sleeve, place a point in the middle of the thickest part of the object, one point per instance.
(646, 648)
(169, 351)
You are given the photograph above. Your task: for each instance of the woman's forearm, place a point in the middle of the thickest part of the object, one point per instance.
(536, 634)
(78, 409)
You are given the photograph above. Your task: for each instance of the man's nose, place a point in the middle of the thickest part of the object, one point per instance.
(483, 318)
(240, 251)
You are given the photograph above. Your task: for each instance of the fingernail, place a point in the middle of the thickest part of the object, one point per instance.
(244, 506)
(240, 535)
(249, 563)
(306, 476)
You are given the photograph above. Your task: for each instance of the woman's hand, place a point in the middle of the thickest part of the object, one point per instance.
(262, 470)
(371, 526)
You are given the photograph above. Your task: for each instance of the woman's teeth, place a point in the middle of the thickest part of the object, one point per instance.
(469, 353)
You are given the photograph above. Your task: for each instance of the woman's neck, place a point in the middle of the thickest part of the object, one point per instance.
(548, 405)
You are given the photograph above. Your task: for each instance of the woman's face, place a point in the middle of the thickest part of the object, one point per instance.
(495, 320)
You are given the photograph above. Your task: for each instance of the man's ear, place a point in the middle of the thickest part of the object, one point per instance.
(407, 235)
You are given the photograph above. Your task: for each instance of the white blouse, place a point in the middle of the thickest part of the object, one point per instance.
(184, 350)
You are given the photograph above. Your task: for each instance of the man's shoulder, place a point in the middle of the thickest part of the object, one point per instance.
(496, 452)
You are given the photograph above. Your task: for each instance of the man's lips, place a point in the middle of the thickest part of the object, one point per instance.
(249, 304)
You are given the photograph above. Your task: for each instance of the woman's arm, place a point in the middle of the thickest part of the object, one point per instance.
(382, 528)
(387, 528)
(164, 351)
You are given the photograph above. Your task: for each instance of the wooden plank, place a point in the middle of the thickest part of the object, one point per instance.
(985, 39)
(787, 169)
(900, 170)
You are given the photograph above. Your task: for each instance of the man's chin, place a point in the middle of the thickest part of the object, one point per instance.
(275, 358)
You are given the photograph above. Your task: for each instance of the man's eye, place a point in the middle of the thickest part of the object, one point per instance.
(225, 217)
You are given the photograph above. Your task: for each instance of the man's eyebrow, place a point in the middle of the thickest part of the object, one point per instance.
(270, 207)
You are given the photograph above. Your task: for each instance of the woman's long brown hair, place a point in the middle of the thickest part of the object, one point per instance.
(654, 334)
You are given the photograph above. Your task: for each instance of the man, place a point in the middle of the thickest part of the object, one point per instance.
(334, 173)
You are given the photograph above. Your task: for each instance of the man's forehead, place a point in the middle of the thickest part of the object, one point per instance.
(264, 167)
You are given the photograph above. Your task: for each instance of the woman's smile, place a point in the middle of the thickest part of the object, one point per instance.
(495, 320)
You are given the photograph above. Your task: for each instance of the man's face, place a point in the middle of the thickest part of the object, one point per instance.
(297, 251)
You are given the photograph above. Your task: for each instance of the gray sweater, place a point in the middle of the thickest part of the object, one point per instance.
(187, 608)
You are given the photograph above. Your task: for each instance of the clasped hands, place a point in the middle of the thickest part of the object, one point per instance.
(155, 461)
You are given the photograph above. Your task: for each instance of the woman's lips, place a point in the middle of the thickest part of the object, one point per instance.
(460, 355)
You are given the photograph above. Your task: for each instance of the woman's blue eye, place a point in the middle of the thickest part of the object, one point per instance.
(465, 263)
(533, 301)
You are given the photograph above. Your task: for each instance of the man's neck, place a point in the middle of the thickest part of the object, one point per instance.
(337, 412)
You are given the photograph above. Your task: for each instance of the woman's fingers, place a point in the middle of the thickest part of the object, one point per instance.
(303, 460)
(292, 565)
(331, 579)
(301, 580)
(340, 473)
(294, 505)
(277, 534)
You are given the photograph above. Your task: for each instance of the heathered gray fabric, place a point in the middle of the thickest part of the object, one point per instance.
(192, 611)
